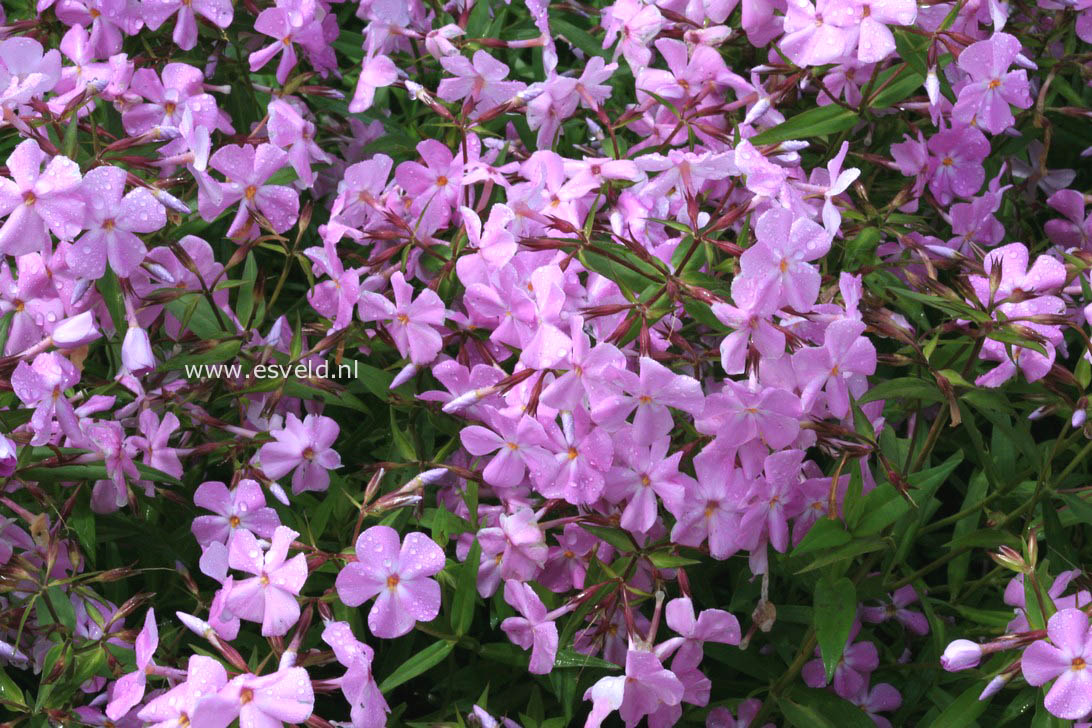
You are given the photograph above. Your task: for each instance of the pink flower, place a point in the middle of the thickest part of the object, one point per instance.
(515, 547)
(1063, 659)
(367, 706)
(818, 34)
(25, 71)
(955, 167)
(534, 629)
(296, 135)
(41, 385)
(899, 600)
(985, 100)
(412, 323)
(712, 507)
(304, 447)
(9, 459)
(778, 262)
(270, 596)
(244, 507)
(520, 444)
(175, 708)
(153, 441)
(249, 168)
(129, 689)
(269, 701)
(637, 23)
(109, 21)
(712, 625)
(641, 472)
(36, 201)
(397, 574)
(644, 689)
(845, 358)
(876, 41)
(111, 222)
(290, 22)
(648, 394)
(180, 89)
(375, 72)
(156, 12)
(433, 186)
(1075, 230)
(480, 80)
(859, 660)
(881, 698)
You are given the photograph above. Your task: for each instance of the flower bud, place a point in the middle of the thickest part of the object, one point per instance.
(76, 331)
(932, 86)
(961, 655)
(994, 686)
(136, 351)
(8, 457)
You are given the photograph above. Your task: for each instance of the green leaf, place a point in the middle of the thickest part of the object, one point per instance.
(575, 36)
(55, 597)
(899, 89)
(195, 313)
(861, 248)
(882, 507)
(423, 661)
(810, 708)
(402, 442)
(825, 534)
(813, 122)
(568, 657)
(1081, 509)
(466, 591)
(632, 278)
(10, 693)
(904, 388)
(221, 352)
(110, 290)
(962, 711)
(959, 566)
(1019, 706)
(835, 609)
(375, 380)
(244, 304)
(665, 560)
(855, 548)
(479, 19)
(68, 146)
(616, 538)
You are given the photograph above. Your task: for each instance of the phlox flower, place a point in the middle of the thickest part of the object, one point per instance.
(269, 597)
(268, 701)
(1063, 659)
(985, 100)
(779, 262)
(249, 168)
(37, 202)
(397, 575)
(177, 707)
(412, 323)
(129, 689)
(645, 687)
(367, 706)
(305, 448)
(157, 12)
(242, 507)
(111, 223)
(534, 628)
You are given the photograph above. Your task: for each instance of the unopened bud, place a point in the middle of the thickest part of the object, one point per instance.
(961, 655)
(76, 331)
(170, 201)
